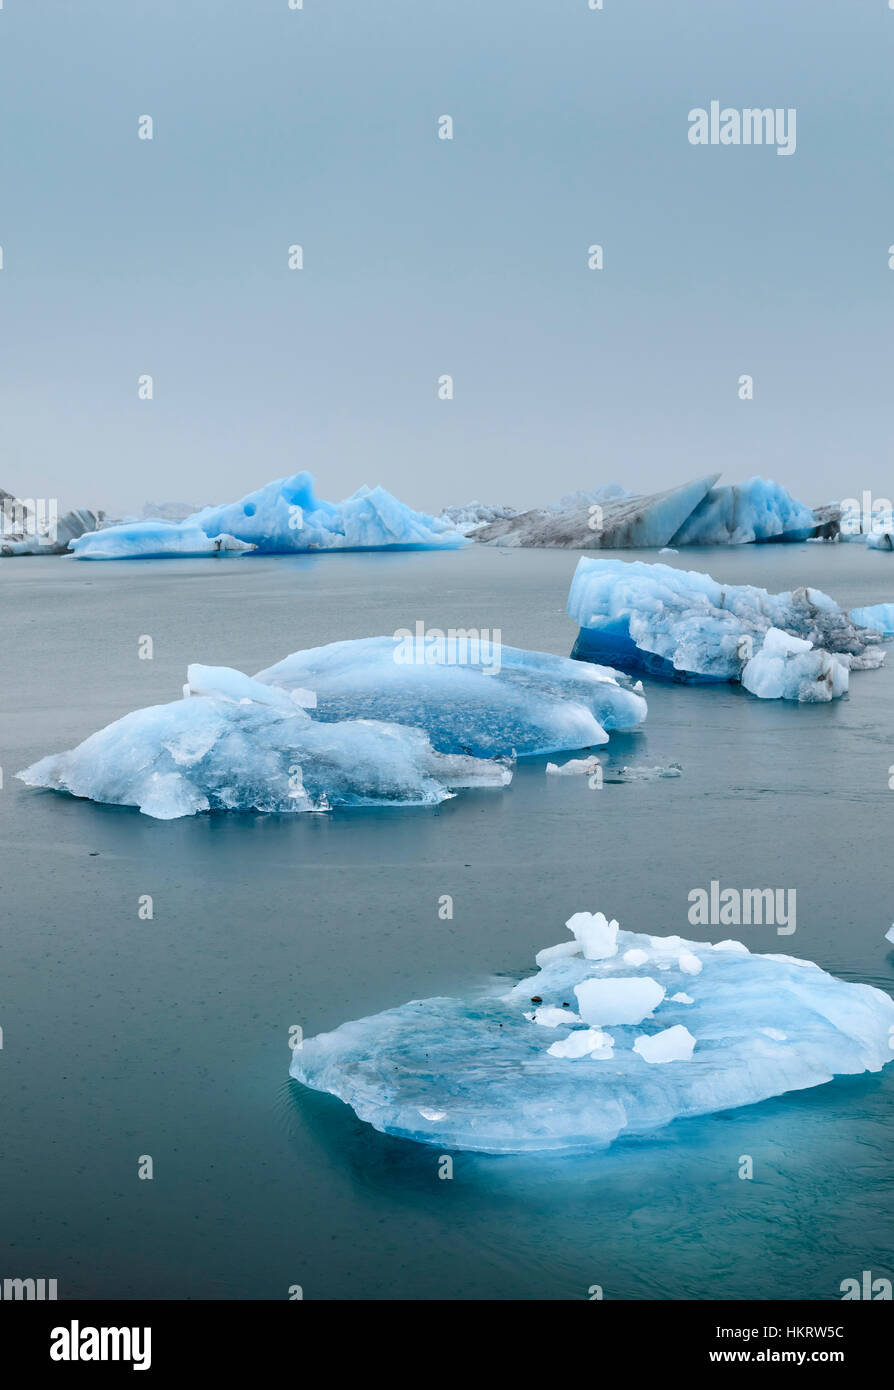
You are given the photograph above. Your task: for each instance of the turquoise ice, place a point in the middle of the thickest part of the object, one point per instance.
(285, 516)
(683, 625)
(616, 1034)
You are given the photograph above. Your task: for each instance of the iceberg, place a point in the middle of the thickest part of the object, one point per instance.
(880, 540)
(757, 510)
(508, 701)
(233, 744)
(489, 1074)
(471, 515)
(682, 625)
(144, 540)
(618, 522)
(878, 616)
(283, 517)
(339, 726)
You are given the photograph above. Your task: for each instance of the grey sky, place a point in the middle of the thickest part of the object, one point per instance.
(422, 256)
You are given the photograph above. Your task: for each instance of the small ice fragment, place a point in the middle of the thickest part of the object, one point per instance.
(580, 1043)
(670, 1045)
(636, 956)
(432, 1114)
(597, 936)
(580, 767)
(731, 946)
(889, 934)
(549, 1017)
(551, 953)
(689, 963)
(628, 999)
(682, 998)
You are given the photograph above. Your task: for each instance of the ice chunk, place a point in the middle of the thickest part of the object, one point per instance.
(549, 1017)
(27, 532)
(582, 1043)
(880, 540)
(682, 625)
(564, 948)
(239, 745)
(575, 767)
(611, 523)
(636, 956)
(501, 700)
(879, 616)
(757, 510)
(674, 1044)
(616, 999)
(475, 1073)
(889, 934)
(141, 540)
(284, 516)
(470, 516)
(595, 935)
(689, 963)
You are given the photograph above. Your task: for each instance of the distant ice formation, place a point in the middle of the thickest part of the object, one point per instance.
(25, 530)
(341, 726)
(283, 517)
(617, 1034)
(756, 510)
(683, 625)
(878, 616)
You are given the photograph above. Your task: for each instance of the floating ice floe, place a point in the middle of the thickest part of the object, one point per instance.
(285, 516)
(575, 767)
(878, 616)
(682, 625)
(880, 540)
(338, 726)
(153, 540)
(607, 1050)
(477, 697)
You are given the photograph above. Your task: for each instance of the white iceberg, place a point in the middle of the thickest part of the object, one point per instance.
(25, 532)
(339, 726)
(478, 1073)
(236, 745)
(682, 625)
(283, 517)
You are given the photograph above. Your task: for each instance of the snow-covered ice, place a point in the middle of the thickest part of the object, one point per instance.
(343, 725)
(490, 1073)
(507, 701)
(683, 625)
(575, 767)
(285, 516)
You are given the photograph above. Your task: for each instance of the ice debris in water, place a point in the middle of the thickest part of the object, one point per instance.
(145, 540)
(341, 726)
(491, 1073)
(283, 517)
(682, 625)
(575, 767)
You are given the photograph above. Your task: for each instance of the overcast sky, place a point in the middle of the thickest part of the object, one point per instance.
(422, 257)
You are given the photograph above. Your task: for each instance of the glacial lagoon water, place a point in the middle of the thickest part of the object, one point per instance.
(124, 1037)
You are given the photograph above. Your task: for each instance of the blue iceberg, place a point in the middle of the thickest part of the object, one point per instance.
(283, 517)
(493, 701)
(682, 625)
(341, 726)
(878, 616)
(616, 1034)
(757, 510)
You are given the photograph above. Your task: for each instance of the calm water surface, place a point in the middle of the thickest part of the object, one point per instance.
(123, 1037)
